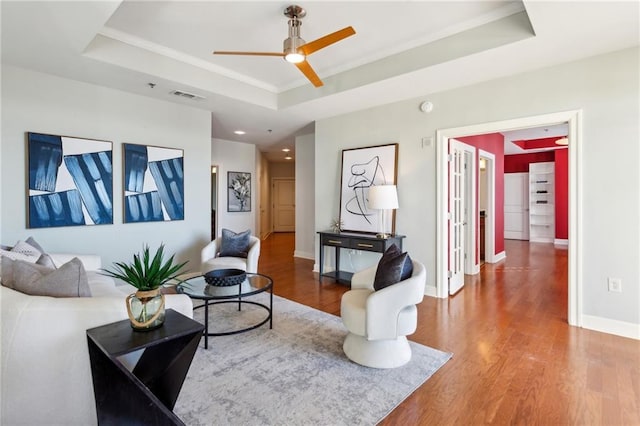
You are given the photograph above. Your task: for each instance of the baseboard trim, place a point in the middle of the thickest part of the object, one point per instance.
(304, 255)
(265, 236)
(561, 242)
(499, 256)
(430, 291)
(609, 326)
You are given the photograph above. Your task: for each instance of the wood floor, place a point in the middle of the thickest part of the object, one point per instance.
(515, 359)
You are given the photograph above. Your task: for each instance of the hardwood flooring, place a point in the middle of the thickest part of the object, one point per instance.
(515, 358)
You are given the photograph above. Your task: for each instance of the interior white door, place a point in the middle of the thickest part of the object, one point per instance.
(284, 205)
(516, 206)
(456, 216)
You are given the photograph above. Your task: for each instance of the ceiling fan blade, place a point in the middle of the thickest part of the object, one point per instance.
(327, 40)
(309, 73)
(221, 52)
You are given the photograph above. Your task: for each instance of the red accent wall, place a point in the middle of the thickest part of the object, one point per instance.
(493, 143)
(519, 163)
(539, 143)
(562, 193)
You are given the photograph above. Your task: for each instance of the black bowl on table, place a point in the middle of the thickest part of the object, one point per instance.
(225, 277)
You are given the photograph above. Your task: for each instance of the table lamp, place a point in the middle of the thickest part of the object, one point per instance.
(383, 197)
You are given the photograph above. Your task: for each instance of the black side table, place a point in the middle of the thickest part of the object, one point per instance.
(145, 395)
(355, 241)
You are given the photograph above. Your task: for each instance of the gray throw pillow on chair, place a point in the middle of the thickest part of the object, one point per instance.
(235, 245)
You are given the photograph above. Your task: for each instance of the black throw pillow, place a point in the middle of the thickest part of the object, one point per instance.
(235, 245)
(393, 267)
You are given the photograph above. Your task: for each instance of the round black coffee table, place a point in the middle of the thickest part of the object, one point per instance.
(197, 288)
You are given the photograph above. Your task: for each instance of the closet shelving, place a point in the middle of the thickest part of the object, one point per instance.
(541, 202)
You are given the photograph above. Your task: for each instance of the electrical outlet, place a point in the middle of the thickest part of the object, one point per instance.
(614, 284)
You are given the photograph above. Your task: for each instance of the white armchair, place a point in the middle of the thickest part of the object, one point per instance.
(379, 321)
(211, 259)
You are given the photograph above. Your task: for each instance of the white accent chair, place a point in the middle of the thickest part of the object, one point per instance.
(379, 321)
(211, 259)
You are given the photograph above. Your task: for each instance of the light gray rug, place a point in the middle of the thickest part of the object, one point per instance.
(294, 374)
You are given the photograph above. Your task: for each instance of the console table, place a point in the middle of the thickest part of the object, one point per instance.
(145, 395)
(354, 241)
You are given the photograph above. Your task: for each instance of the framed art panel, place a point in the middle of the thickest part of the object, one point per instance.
(238, 192)
(153, 183)
(361, 169)
(70, 181)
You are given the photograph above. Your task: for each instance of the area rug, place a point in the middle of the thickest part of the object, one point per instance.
(293, 374)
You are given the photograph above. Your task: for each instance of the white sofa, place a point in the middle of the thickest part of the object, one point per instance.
(46, 374)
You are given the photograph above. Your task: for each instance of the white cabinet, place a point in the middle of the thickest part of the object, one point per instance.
(542, 213)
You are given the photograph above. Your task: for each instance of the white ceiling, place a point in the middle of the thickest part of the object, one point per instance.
(401, 50)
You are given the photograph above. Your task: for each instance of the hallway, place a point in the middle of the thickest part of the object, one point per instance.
(516, 360)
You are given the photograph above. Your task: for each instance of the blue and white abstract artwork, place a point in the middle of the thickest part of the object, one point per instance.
(70, 181)
(153, 184)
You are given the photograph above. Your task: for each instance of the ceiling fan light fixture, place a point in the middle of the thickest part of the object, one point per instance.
(291, 48)
(295, 49)
(294, 57)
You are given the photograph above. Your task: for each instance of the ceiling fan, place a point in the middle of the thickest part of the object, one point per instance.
(295, 48)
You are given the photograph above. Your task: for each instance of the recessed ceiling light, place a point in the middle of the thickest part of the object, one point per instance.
(239, 132)
(288, 157)
(285, 150)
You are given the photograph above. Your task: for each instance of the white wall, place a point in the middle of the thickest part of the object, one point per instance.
(305, 203)
(233, 156)
(35, 102)
(605, 87)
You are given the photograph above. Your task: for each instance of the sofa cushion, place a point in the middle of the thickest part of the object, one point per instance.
(29, 251)
(223, 263)
(70, 280)
(393, 267)
(104, 286)
(44, 259)
(19, 252)
(235, 245)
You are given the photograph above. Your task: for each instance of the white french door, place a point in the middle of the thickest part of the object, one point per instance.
(456, 216)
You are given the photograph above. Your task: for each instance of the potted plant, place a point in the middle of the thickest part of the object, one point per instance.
(146, 306)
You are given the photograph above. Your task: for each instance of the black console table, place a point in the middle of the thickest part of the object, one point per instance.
(146, 395)
(354, 241)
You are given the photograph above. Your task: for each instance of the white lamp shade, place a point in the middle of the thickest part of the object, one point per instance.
(382, 197)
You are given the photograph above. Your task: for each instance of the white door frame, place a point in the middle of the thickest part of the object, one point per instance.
(490, 218)
(574, 118)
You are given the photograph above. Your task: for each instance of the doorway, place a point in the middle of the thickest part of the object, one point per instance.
(486, 207)
(284, 205)
(214, 202)
(574, 119)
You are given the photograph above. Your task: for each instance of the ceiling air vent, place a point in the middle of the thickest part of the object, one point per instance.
(186, 95)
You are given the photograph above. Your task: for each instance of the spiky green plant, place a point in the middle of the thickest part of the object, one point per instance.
(145, 273)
